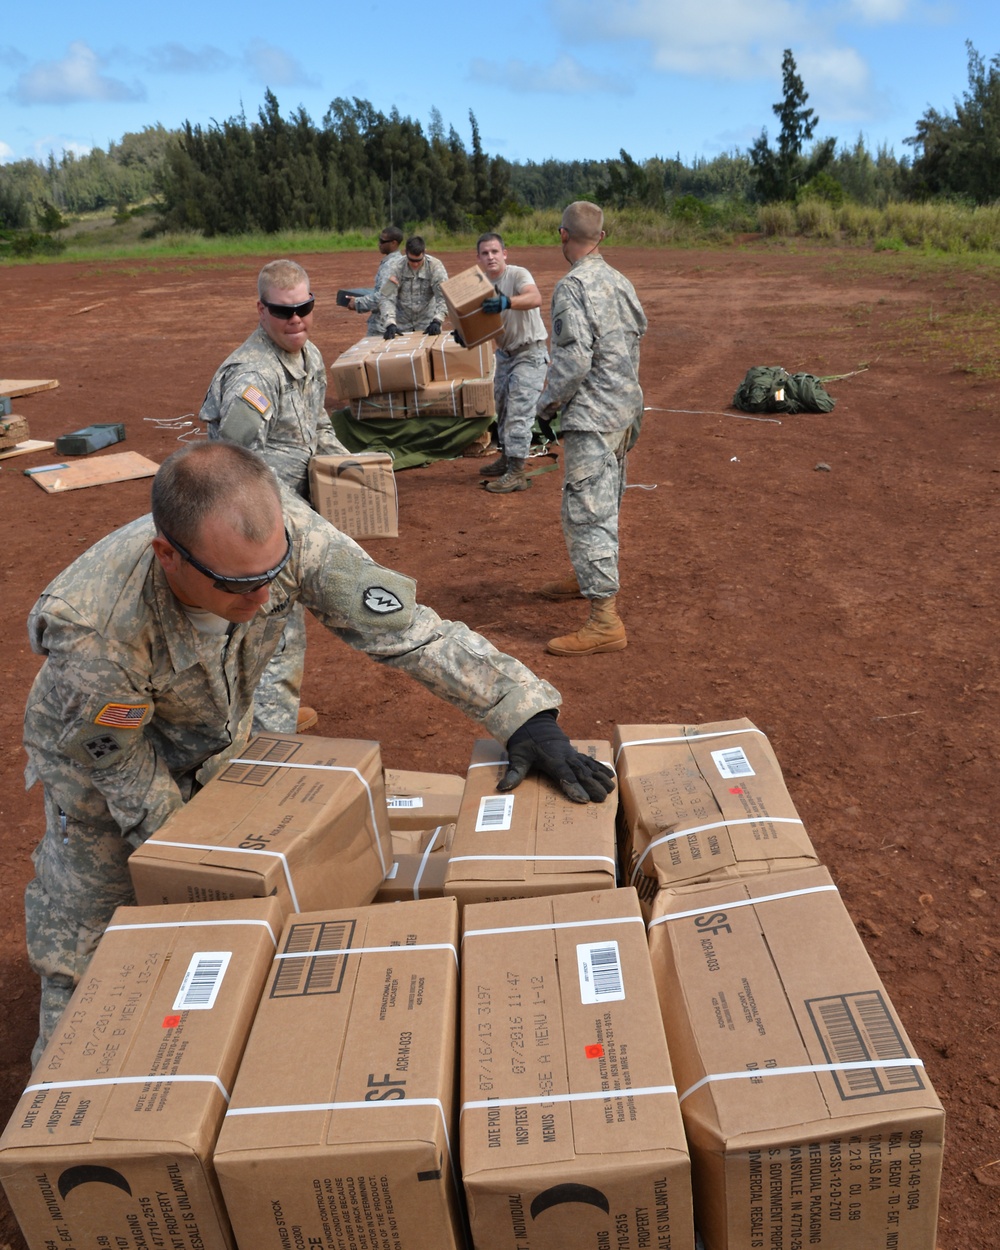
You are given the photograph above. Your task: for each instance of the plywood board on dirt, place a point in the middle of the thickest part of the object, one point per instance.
(13, 387)
(28, 444)
(120, 467)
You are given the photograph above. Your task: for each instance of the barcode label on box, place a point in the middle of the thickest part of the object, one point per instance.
(855, 1028)
(732, 762)
(600, 972)
(202, 981)
(496, 812)
(402, 802)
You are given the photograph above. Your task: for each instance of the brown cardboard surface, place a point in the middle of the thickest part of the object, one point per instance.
(347, 1139)
(464, 294)
(449, 360)
(571, 1133)
(478, 398)
(378, 407)
(418, 800)
(357, 493)
(437, 399)
(413, 876)
(302, 818)
(120, 466)
(348, 375)
(112, 1140)
(810, 1117)
(529, 841)
(703, 801)
(398, 369)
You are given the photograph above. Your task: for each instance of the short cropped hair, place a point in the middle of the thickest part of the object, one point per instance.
(583, 220)
(415, 246)
(489, 237)
(202, 479)
(391, 234)
(280, 275)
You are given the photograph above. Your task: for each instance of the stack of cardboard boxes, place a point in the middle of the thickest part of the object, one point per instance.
(263, 1056)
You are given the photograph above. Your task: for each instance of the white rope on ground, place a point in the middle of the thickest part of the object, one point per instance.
(699, 412)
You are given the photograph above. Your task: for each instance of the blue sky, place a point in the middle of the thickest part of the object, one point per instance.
(545, 78)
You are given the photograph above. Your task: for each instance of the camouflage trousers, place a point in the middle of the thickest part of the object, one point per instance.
(81, 876)
(517, 385)
(276, 699)
(593, 486)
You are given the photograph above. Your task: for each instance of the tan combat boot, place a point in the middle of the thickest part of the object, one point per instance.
(563, 588)
(603, 631)
(513, 479)
(307, 719)
(495, 468)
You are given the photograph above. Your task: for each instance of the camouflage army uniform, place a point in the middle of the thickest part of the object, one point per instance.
(371, 304)
(409, 298)
(135, 709)
(593, 380)
(272, 401)
(521, 361)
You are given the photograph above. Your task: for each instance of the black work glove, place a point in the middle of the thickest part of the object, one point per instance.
(496, 303)
(541, 744)
(457, 336)
(390, 331)
(434, 327)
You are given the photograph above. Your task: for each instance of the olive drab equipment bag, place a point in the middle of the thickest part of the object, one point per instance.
(770, 388)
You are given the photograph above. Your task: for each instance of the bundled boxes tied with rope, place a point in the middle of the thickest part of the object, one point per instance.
(414, 375)
(301, 818)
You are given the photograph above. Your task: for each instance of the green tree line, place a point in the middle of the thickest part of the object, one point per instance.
(361, 168)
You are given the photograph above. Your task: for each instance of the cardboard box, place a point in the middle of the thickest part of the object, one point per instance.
(420, 874)
(300, 818)
(700, 802)
(810, 1119)
(348, 375)
(478, 399)
(345, 1139)
(111, 1143)
(437, 399)
(421, 801)
(396, 369)
(449, 360)
(571, 1133)
(381, 407)
(529, 841)
(357, 493)
(464, 295)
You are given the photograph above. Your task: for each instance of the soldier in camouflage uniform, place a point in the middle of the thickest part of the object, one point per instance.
(152, 659)
(269, 395)
(388, 245)
(521, 361)
(593, 381)
(410, 296)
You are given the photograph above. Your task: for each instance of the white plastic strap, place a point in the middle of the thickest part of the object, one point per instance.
(716, 733)
(543, 928)
(716, 824)
(193, 924)
(539, 1100)
(128, 1080)
(799, 1070)
(743, 902)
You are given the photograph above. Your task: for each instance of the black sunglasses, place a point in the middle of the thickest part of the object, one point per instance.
(285, 312)
(232, 585)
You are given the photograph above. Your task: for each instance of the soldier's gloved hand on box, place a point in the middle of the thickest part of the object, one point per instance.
(390, 331)
(541, 744)
(496, 303)
(434, 327)
(457, 336)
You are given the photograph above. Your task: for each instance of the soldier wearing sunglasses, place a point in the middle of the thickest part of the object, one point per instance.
(154, 641)
(269, 395)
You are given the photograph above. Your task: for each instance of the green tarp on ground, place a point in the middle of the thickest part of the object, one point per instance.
(411, 443)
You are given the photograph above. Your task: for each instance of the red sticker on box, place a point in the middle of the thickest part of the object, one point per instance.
(171, 1022)
(594, 1051)
(735, 789)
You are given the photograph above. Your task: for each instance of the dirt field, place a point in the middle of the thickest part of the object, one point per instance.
(834, 578)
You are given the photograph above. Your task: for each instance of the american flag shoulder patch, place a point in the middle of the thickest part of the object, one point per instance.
(122, 715)
(256, 399)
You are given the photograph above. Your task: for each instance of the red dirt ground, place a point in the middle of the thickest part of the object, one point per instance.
(833, 577)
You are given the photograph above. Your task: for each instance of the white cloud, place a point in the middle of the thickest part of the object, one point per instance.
(876, 12)
(175, 58)
(563, 76)
(276, 68)
(6, 151)
(77, 78)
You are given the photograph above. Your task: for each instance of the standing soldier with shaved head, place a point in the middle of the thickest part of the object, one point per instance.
(593, 382)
